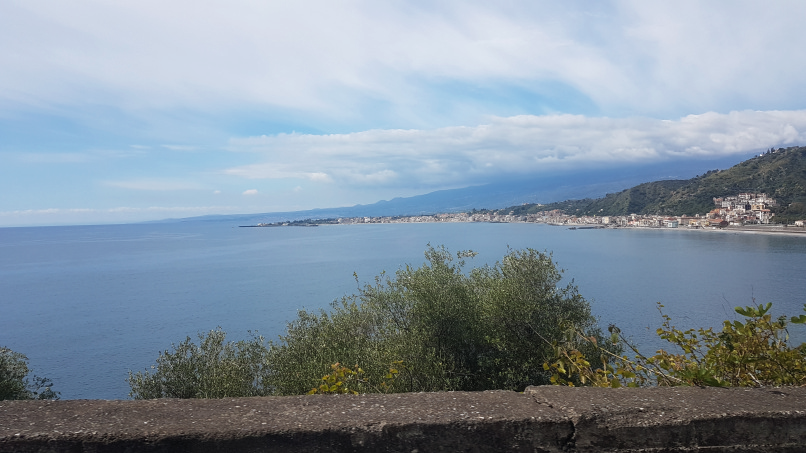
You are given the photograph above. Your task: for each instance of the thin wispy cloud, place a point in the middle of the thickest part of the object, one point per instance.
(153, 185)
(120, 209)
(62, 216)
(49, 158)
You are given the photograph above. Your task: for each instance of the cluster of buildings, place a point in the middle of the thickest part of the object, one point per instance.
(742, 209)
(550, 217)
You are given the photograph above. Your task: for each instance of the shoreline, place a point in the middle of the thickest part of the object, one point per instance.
(747, 229)
(553, 218)
(785, 231)
(773, 230)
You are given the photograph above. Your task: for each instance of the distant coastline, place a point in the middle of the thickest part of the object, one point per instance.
(280, 224)
(573, 223)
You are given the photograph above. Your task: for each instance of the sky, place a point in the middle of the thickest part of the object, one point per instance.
(124, 110)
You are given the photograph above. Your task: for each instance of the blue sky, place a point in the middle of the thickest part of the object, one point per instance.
(118, 111)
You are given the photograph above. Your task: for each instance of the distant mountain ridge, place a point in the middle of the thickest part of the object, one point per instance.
(547, 188)
(779, 173)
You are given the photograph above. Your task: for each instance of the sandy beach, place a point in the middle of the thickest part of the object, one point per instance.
(761, 229)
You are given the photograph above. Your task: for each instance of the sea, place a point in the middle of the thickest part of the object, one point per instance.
(87, 304)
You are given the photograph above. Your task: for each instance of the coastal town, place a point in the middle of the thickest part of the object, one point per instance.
(740, 210)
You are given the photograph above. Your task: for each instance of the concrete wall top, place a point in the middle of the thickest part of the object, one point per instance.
(542, 419)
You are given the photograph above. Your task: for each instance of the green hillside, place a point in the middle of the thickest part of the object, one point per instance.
(780, 173)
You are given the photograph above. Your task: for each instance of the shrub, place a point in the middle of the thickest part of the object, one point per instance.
(212, 369)
(752, 353)
(14, 381)
(439, 327)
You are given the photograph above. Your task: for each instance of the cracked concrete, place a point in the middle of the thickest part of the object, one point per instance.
(681, 419)
(542, 419)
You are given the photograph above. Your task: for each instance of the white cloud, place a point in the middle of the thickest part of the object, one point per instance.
(179, 147)
(69, 157)
(68, 216)
(517, 145)
(250, 192)
(317, 176)
(184, 209)
(51, 158)
(328, 58)
(153, 185)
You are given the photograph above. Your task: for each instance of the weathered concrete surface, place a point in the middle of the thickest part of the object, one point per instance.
(483, 421)
(681, 419)
(542, 419)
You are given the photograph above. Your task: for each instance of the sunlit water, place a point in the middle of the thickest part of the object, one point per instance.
(87, 304)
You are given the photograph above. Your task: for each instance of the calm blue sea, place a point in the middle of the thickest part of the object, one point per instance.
(89, 303)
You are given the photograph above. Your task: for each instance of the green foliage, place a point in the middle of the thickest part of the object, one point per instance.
(780, 173)
(453, 330)
(343, 380)
(212, 369)
(750, 353)
(340, 381)
(315, 341)
(14, 381)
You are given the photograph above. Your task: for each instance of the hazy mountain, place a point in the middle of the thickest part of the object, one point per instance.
(779, 173)
(545, 189)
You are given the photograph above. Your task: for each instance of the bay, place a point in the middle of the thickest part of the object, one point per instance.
(89, 303)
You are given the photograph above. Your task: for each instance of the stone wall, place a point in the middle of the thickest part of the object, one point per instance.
(542, 419)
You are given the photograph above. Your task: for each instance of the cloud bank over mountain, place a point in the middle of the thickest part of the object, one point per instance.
(519, 145)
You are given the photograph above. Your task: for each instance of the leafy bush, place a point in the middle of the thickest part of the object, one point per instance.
(439, 327)
(14, 381)
(430, 328)
(753, 353)
(212, 369)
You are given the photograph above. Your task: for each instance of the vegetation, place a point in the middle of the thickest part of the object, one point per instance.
(14, 381)
(344, 380)
(753, 353)
(212, 369)
(780, 173)
(436, 327)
